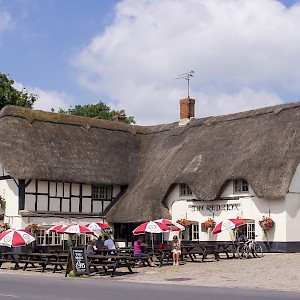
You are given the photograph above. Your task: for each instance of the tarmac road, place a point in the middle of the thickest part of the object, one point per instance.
(36, 287)
(273, 272)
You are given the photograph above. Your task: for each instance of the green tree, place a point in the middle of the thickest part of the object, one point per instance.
(11, 96)
(99, 110)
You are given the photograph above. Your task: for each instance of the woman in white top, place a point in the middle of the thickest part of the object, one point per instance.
(176, 249)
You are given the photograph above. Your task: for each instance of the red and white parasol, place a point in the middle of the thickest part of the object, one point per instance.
(96, 226)
(152, 227)
(227, 225)
(76, 229)
(16, 238)
(173, 226)
(55, 228)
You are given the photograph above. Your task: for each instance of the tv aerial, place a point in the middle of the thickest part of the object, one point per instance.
(187, 76)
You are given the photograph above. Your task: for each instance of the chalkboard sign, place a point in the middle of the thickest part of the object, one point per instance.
(77, 261)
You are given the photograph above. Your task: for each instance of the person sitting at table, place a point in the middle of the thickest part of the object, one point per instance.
(138, 244)
(176, 250)
(91, 247)
(99, 243)
(108, 243)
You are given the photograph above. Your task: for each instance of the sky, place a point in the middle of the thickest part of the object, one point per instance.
(128, 54)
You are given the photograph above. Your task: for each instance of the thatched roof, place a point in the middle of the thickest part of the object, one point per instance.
(261, 146)
(48, 146)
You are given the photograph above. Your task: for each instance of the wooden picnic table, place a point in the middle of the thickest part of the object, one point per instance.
(202, 250)
(228, 248)
(35, 260)
(11, 257)
(118, 251)
(110, 263)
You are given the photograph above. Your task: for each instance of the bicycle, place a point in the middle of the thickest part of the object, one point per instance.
(245, 249)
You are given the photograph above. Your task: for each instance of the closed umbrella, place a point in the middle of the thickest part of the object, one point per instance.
(16, 238)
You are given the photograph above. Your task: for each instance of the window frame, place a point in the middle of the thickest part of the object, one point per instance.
(195, 232)
(240, 186)
(102, 192)
(185, 190)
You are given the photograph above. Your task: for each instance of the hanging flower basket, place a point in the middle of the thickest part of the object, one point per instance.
(33, 228)
(266, 223)
(210, 224)
(183, 222)
(4, 227)
(107, 230)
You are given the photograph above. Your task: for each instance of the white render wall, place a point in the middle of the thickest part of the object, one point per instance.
(9, 191)
(248, 206)
(293, 209)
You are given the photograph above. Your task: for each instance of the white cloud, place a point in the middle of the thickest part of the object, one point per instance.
(245, 55)
(6, 22)
(47, 99)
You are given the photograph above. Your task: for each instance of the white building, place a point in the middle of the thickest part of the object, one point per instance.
(62, 169)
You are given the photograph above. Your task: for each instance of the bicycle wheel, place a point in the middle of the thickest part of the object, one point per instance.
(258, 250)
(242, 251)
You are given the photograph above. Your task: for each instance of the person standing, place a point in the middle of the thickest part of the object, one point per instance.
(176, 250)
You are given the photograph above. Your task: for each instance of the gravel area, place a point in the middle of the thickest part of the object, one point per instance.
(272, 272)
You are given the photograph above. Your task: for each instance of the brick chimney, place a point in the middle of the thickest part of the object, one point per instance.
(187, 110)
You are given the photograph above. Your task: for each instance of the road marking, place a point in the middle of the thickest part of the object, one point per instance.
(12, 296)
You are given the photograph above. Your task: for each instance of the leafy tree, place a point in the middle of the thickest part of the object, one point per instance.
(100, 111)
(11, 96)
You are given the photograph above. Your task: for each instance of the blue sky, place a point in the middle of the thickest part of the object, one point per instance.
(127, 53)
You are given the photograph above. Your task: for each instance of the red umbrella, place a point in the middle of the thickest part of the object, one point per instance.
(97, 226)
(74, 228)
(16, 238)
(227, 225)
(152, 227)
(173, 226)
(55, 228)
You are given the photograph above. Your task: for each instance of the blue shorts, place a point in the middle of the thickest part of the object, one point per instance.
(141, 255)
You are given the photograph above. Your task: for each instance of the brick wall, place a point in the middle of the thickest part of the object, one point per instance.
(187, 108)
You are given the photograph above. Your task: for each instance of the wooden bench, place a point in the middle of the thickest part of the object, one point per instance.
(10, 257)
(32, 259)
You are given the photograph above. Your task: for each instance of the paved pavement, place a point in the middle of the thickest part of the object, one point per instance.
(273, 272)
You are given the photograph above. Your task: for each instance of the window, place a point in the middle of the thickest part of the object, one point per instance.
(52, 238)
(241, 185)
(185, 190)
(248, 230)
(101, 192)
(195, 232)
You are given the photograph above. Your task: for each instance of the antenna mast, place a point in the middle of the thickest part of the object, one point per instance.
(187, 77)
